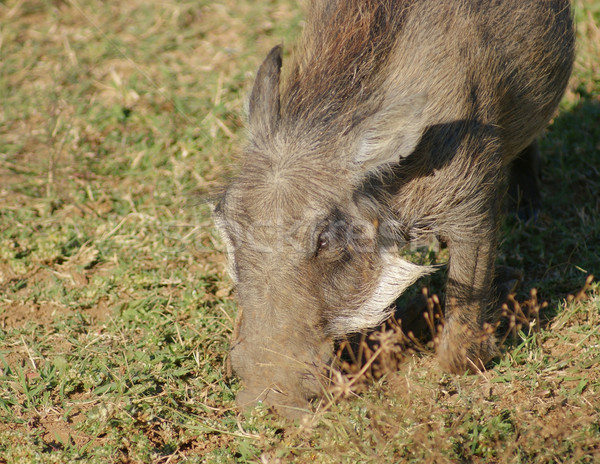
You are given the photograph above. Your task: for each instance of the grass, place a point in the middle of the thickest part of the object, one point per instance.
(117, 121)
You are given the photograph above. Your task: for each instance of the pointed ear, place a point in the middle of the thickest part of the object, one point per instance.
(392, 133)
(263, 112)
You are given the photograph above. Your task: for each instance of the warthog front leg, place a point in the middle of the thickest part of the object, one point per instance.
(468, 340)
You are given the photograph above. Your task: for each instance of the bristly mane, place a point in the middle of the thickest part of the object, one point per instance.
(336, 70)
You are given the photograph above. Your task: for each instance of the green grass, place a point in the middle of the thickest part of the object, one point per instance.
(117, 121)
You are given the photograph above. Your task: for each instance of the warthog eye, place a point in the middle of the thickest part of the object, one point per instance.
(331, 239)
(323, 241)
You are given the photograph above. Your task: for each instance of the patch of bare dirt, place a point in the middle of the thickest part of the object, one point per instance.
(17, 314)
(58, 432)
(53, 429)
(14, 315)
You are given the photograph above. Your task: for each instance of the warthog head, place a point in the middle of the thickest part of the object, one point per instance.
(312, 252)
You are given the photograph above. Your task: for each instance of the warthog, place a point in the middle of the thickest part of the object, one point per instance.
(394, 120)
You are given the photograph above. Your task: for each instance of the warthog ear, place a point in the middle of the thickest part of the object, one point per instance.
(392, 133)
(263, 111)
